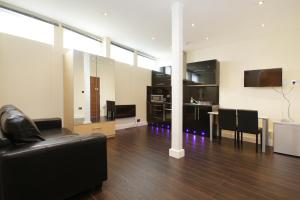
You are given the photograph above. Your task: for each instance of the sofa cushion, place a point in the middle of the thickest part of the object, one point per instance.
(3, 140)
(48, 123)
(17, 127)
(58, 132)
(7, 108)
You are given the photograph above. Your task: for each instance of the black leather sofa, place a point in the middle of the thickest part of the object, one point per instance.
(62, 165)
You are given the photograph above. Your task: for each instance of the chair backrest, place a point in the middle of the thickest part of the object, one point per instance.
(248, 121)
(227, 119)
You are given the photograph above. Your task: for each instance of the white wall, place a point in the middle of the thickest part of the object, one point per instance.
(106, 70)
(79, 97)
(275, 51)
(31, 76)
(131, 88)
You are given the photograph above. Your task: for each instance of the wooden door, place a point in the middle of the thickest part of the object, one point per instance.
(95, 98)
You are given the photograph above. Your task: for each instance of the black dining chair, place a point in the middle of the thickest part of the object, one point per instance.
(227, 121)
(248, 123)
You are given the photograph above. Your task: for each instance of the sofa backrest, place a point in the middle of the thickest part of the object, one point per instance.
(48, 123)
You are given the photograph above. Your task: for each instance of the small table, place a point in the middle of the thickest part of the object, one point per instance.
(265, 128)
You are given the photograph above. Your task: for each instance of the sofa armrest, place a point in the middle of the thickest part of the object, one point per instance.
(50, 123)
(68, 165)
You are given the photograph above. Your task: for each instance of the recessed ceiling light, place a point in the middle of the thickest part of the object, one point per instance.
(153, 38)
(260, 3)
(206, 38)
(263, 25)
(105, 14)
(193, 25)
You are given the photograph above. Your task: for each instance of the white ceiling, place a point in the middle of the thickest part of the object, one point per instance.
(135, 22)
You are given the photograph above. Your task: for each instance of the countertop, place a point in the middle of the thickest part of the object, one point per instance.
(215, 107)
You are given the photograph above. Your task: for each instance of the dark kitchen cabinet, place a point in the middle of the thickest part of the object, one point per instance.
(189, 118)
(196, 119)
(159, 113)
(203, 73)
(200, 84)
(160, 79)
(156, 112)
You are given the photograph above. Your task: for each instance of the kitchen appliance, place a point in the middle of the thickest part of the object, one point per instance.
(157, 98)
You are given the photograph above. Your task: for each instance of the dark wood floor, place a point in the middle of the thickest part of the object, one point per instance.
(140, 168)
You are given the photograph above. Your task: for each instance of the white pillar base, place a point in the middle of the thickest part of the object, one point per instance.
(176, 153)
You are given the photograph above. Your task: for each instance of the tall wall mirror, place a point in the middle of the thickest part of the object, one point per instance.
(94, 88)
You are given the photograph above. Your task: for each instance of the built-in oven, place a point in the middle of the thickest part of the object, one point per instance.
(157, 98)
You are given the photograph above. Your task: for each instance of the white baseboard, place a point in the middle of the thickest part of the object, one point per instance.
(121, 126)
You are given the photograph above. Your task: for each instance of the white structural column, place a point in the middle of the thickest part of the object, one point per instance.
(176, 149)
(87, 88)
(58, 64)
(135, 58)
(106, 46)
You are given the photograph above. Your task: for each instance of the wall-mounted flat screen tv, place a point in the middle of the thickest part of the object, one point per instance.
(263, 78)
